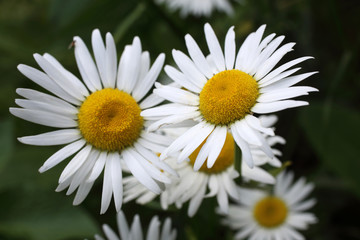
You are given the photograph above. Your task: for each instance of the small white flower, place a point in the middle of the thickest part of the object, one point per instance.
(198, 7)
(135, 231)
(227, 92)
(99, 117)
(260, 215)
(194, 186)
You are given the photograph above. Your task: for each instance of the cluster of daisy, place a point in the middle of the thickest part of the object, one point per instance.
(210, 132)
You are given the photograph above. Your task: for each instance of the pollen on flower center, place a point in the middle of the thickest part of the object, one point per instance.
(270, 212)
(224, 160)
(110, 119)
(228, 96)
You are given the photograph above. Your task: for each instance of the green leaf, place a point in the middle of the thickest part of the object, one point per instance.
(334, 133)
(43, 216)
(6, 142)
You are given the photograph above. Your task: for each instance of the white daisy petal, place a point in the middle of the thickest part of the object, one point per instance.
(99, 53)
(124, 59)
(198, 57)
(138, 171)
(43, 118)
(167, 109)
(150, 168)
(179, 143)
(219, 135)
(86, 65)
(107, 187)
(131, 68)
(61, 71)
(243, 54)
(122, 225)
(151, 101)
(46, 98)
(195, 202)
(255, 123)
(47, 83)
(230, 49)
(176, 95)
(287, 82)
(82, 192)
(268, 65)
(62, 154)
(52, 138)
(188, 67)
(257, 174)
(75, 163)
(149, 78)
(79, 176)
(282, 94)
(245, 150)
(181, 79)
(277, 78)
(116, 179)
(214, 47)
(46, 107)
(98, 167)
(154, 159)
(154, 229)
(195, 142)
(110, 62)
(174, 119)
(222, 198)
(282, 68)
(266, 53)
(247, 133)
(110, 234)
(271, 107)
(144, 66)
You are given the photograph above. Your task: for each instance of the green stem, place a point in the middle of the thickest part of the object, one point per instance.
(238, 163)
(129, 20)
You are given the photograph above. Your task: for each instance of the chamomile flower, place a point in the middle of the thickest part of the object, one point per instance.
(99, 117)
(261, 215)
(135, 231)
(194, 186)
(226, 92)
(198, 7)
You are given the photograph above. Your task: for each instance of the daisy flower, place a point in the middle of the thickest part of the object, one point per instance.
(135, 231)
(194, 186)
(198, 7)
(260, 215)
(99, 117)
(227, 92)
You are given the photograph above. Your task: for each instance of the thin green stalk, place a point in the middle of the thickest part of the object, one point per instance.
(129, 21)
(238, 163)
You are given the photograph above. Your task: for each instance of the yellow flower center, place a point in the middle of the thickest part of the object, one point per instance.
(224, 160)
(110, 119)
(228, 96)
(270, 212)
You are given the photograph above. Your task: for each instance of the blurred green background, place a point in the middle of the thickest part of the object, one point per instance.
(322, 139)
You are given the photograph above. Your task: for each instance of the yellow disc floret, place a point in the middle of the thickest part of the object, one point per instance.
(110, 119)
(224, 160)
(270, 212)
(228, 96)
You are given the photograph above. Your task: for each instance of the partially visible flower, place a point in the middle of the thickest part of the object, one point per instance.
(262, 215)
(193, 185)
(227, 92)
(198, 7)
(99, 117)
(135, 231)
